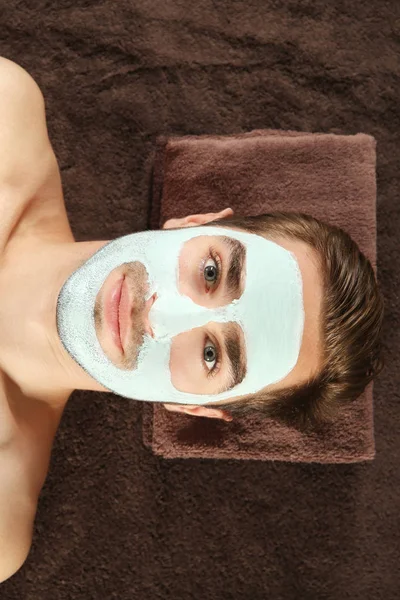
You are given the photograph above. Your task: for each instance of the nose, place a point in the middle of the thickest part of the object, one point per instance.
(149, 303)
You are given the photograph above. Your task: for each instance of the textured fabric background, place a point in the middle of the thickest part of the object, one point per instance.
(114, 521)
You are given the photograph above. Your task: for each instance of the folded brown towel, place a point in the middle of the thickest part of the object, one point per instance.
(331, 177)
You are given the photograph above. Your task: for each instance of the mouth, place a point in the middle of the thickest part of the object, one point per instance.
(117, 311)
(111, 313)
(124, 315)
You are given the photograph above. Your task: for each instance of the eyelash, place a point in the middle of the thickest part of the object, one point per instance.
(215, 257)
(211, 372)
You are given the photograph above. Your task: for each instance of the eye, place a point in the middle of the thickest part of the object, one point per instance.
(211, 271)
(211, 357)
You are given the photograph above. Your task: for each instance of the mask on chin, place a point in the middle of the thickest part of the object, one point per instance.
(270, 313)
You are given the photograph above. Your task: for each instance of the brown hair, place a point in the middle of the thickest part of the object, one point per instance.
(352, 314)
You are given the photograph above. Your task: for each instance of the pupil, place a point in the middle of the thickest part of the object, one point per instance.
(210, 273)
(209, 353)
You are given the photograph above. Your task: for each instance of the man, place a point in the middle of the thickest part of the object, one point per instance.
(99, 315)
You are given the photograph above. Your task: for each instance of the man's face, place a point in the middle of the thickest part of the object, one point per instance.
(203, 360)
(200, 314)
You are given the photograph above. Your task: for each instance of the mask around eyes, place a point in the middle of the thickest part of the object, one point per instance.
(270, 312)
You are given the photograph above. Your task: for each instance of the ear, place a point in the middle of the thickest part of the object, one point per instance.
(199, 219)
(200, 411)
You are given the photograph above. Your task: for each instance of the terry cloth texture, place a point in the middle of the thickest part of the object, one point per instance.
(331, 177)
(115, 521)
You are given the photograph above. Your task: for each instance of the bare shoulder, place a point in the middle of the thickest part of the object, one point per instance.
(27, 430)
(21, 100)
(13, 76)
(17, 513)
(25, 149)
(30, 180)
(17, 505)
(23, 468)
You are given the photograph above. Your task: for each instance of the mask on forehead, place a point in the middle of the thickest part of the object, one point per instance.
(270, 313)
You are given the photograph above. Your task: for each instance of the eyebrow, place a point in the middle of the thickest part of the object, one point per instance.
(236, 356)
(236, 258)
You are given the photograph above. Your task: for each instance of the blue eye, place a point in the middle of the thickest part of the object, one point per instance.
(210, 356)
(212, 269)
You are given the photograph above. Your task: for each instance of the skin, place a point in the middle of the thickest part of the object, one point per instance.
(37, 254)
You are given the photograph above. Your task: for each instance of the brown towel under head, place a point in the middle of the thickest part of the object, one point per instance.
(330, 176)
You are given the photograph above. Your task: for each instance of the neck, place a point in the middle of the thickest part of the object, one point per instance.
(31, 352)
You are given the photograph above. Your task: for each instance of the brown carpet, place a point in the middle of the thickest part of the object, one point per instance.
(115, 521)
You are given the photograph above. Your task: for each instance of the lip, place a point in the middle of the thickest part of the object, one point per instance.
(111, 310)
(124, 314)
